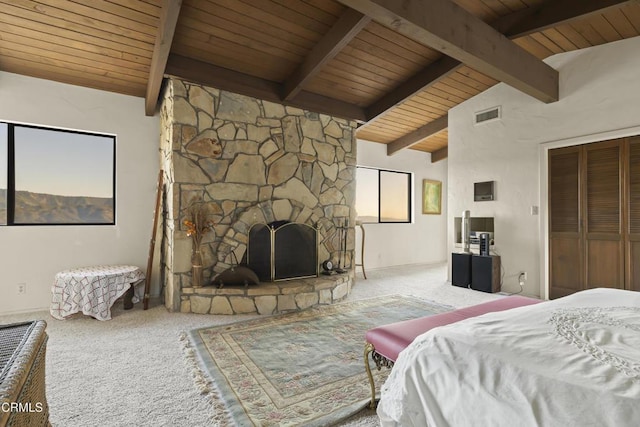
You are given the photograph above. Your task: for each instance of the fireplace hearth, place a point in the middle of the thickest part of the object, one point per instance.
(283, 250)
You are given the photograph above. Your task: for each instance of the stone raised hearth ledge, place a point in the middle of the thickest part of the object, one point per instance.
(268, 298)
(253, 161)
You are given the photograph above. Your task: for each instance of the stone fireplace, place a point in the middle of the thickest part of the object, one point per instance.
(254, 162)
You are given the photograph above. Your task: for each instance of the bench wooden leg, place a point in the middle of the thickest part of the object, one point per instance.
(368, 349)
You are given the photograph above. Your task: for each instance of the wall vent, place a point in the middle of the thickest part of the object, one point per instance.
(491, 114)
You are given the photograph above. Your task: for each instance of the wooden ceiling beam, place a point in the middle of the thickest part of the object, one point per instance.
(200, 72)
(513, 25)
(417, 83)
(476, 44)
(418, 135)
(343, 31)
(207, 74)
(440, 154)
(170, 10)
(550, 14)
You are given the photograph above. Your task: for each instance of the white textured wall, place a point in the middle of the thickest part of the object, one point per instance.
(33, 254)
(599, 100)
(423, 241)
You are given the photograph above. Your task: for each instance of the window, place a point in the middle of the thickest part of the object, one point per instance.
(53, 176)
(383, 196)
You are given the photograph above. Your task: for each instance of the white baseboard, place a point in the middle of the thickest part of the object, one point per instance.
(416, 264)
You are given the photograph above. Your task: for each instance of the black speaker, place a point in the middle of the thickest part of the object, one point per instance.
(485, 273)
(461, 269)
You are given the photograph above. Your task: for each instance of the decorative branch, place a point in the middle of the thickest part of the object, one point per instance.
(197, 221)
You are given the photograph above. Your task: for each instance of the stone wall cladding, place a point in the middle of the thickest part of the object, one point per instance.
(253, 161)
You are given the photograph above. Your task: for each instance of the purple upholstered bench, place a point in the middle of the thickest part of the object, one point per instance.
(386, 342)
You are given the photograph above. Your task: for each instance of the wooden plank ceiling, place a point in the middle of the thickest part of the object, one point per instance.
(395, 67)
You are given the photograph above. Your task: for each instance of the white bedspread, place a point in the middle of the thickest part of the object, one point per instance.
(574, 361)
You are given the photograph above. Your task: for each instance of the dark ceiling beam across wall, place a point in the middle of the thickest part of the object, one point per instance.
(233, 81)
(417, 135)
(170, 10)
(417, 83)
(440, 154)
(343, 31)
(477, 44)
(514, 25)
(550, 14)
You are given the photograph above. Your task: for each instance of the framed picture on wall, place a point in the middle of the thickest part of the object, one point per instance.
(431, 196)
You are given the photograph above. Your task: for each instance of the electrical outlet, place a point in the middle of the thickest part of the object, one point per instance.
(22, 288)
(522, 277)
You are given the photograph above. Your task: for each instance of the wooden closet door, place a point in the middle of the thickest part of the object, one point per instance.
(565, 244)
(603, 215)
(633, 215)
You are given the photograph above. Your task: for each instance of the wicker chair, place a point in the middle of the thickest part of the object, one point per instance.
(23, 401)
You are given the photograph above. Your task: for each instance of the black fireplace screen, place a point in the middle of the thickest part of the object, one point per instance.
(283, 250)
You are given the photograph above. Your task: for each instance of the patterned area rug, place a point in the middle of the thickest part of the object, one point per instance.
(299, 369)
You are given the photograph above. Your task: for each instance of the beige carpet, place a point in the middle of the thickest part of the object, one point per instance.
(131, 370)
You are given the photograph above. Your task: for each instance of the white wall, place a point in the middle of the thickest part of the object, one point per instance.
(424, 240)
(33, 254)
(599, 100)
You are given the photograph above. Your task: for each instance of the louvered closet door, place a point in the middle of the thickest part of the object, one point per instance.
(565, 245)
(633, 197)
(602, 213)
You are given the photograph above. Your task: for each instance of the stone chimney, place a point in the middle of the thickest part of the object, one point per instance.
(253, 161)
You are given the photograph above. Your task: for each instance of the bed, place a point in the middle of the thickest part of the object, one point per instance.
(574, 361)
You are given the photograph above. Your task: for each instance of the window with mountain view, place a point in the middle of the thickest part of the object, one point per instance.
(383, 196)
(57, 176)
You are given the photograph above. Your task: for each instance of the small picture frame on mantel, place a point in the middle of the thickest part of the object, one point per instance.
(431, 197)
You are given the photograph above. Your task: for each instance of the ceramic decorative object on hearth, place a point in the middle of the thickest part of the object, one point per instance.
(198, 223)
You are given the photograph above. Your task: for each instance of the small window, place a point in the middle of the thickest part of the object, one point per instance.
(383, 196)
(57, 176)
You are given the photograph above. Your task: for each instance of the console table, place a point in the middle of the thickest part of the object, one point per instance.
(92, 290)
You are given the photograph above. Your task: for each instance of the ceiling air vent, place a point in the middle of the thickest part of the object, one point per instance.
(484, 116)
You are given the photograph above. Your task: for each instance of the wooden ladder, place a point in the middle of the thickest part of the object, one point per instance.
(152, 244)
